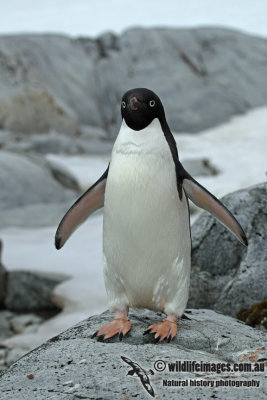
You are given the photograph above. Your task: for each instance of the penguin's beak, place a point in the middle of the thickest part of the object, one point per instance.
(134, 104)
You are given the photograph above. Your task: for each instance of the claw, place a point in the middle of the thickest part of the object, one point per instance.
(184, 316)
(146, 331)
(119, 326)
(165, 329)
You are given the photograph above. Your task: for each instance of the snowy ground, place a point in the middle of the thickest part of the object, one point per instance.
(237, 149)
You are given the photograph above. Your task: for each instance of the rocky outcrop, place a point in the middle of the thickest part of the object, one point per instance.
(32, 110)
(24, 182)
(31, 291)
(12, 323)
(199, 167)
(27, 300)
(226, 276)
(54, 142)
(203, 76)
(34, 192)
(74, 366)
(3, 275)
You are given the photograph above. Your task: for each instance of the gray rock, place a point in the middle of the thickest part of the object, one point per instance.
(14, 354)
(5, 325)
(203, 76)
(24, 182)
(35, 215)
(56, 143)
(36, 110)
(2, 277)
(34, 76)
(62, 175)
(92, 132)
(21, 323)
(59, 172)
(43, 143)
(226, 276)
(30, 291)
(200, 167)
(3, 355)
(72, 365)
(4, 138)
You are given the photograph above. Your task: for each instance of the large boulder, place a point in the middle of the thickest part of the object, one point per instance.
(31, 291)
(32, 110)
(57, 143)
(226, 276)
(3, 275)
(75, 366)
(203, 76)
(24, 182)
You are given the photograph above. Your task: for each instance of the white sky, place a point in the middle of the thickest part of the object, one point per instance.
(93, 17)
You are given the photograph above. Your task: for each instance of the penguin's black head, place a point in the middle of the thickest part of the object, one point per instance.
(139, 107)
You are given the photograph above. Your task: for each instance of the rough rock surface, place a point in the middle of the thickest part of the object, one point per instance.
(24, 182)
(5, 328)
(62, 175)
(203, 76)
(226, 276)
(12, 323)
(54, 142)
(74, 366)
(3, 274)
(31, 109)
(29, 291)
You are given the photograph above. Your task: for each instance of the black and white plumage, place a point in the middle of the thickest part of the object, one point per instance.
(146, 231)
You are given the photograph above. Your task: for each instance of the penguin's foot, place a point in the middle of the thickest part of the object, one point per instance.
(165, 329)
(119, 326)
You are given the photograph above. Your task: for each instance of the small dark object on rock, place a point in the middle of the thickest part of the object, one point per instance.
(30, 376)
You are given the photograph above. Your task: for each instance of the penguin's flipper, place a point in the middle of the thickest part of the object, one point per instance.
(204, 199)
(89, 202)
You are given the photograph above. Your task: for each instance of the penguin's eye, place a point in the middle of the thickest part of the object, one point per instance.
(123, 104)
(152, 103)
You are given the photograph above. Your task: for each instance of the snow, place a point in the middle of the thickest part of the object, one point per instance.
(237, 148)
(91, 18)
(81, 258)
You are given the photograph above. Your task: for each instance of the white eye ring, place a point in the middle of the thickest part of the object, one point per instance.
(152, 103)
(123, 104)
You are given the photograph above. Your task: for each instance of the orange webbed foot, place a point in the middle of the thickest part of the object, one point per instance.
(166, 329)
(119, 326)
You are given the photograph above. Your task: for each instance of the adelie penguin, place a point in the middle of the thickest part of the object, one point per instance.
(146, 232)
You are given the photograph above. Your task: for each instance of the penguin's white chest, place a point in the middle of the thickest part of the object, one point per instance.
(146, 236)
